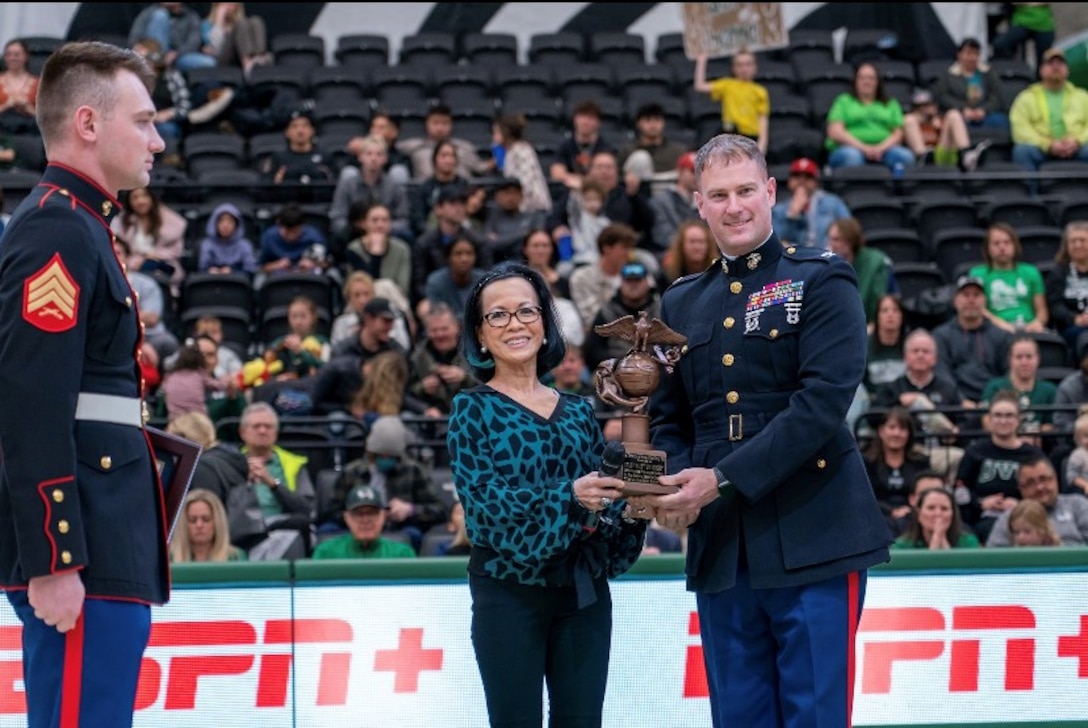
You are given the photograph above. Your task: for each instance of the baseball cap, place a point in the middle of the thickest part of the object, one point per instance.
(388, 436)
(450, 193)
(686, 161)
(634, 270)
(804, 165)
(1052, 53)
(363, 495)
(380, 307)
(507, 183)
(302, 114)
(921, 97)
(965, 281)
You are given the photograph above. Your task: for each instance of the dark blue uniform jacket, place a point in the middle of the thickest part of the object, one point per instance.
(775, 351)
(74, 494)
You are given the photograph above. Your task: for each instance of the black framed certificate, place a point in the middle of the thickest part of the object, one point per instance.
(175, 458)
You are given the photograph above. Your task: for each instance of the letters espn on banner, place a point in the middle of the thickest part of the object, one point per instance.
(722, 29)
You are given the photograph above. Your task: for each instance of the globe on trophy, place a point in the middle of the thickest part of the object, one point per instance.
(627, 382)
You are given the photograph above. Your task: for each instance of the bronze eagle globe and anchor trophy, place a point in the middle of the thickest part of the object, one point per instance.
(628, 381)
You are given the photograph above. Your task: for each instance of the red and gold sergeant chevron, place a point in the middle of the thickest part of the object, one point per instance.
(51, 298)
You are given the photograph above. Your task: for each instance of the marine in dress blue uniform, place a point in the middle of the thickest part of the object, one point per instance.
(775, 351)
(78, 487)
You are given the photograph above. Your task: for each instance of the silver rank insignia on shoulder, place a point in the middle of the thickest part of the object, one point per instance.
(753, 261)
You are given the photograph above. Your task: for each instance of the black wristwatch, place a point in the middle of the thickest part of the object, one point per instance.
(725, 485)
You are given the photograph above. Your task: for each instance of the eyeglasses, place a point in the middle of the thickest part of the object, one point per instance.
(500, 319)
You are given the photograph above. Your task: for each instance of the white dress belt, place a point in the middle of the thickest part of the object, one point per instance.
(111, 408)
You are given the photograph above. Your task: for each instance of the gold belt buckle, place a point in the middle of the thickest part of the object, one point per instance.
(736, 427)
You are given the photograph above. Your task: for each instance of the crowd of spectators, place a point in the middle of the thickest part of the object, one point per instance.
(957, 405)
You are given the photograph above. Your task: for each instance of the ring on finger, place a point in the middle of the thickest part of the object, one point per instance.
(605, 501)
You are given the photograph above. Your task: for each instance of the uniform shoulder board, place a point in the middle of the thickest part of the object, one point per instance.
(807, 253)
(691, 276)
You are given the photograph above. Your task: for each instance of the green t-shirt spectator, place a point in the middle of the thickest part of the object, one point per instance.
(347, 547)
(1010, 294)
(869, 123)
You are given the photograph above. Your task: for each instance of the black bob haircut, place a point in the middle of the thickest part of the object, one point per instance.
(551, 352)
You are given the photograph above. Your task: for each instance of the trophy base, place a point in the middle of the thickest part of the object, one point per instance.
(641, 466)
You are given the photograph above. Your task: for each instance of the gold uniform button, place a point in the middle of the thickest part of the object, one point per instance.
(62, 526)
(66, 557)
(821, 463)
(106, 462)
(727, 360)
(729, 322)
(791, 250)
(774, 333)
(58, 496)
(732, 397)
(684, 349)
(128, 301)
(735, 287)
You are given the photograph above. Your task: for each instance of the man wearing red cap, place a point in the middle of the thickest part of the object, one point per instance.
(804, 215)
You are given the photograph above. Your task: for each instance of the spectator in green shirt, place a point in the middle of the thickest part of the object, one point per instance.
(1015, 293)
(846, 239)
(865, 125)
(938, 526)
(1023, 380)
(364, 514)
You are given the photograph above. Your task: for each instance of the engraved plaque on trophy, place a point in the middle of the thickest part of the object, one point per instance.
(628, 382)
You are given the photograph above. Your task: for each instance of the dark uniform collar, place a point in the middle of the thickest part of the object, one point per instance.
(86, 192)
(764, 256)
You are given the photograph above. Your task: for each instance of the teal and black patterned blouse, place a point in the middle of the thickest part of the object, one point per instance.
(514, 471)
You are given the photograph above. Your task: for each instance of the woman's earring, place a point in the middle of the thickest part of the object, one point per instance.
(545, 342)
(483, 349)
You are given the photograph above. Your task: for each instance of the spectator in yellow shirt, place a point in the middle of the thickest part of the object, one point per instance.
(746, 106)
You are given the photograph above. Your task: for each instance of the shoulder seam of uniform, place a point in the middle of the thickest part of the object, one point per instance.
(808, 252)
(690, 276)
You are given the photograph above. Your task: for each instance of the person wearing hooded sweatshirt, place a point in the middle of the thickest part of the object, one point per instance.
(225, 247)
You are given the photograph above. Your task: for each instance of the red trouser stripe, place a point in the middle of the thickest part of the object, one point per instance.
(852, 596)
(72, 679)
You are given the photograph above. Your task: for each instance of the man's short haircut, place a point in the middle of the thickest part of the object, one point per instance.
(439, 110)
(587, 108)
(82, 74)
(925, 475)
(291, 215)
(1037, 458)
(254, 407)
(617, 233)
(650, 110)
